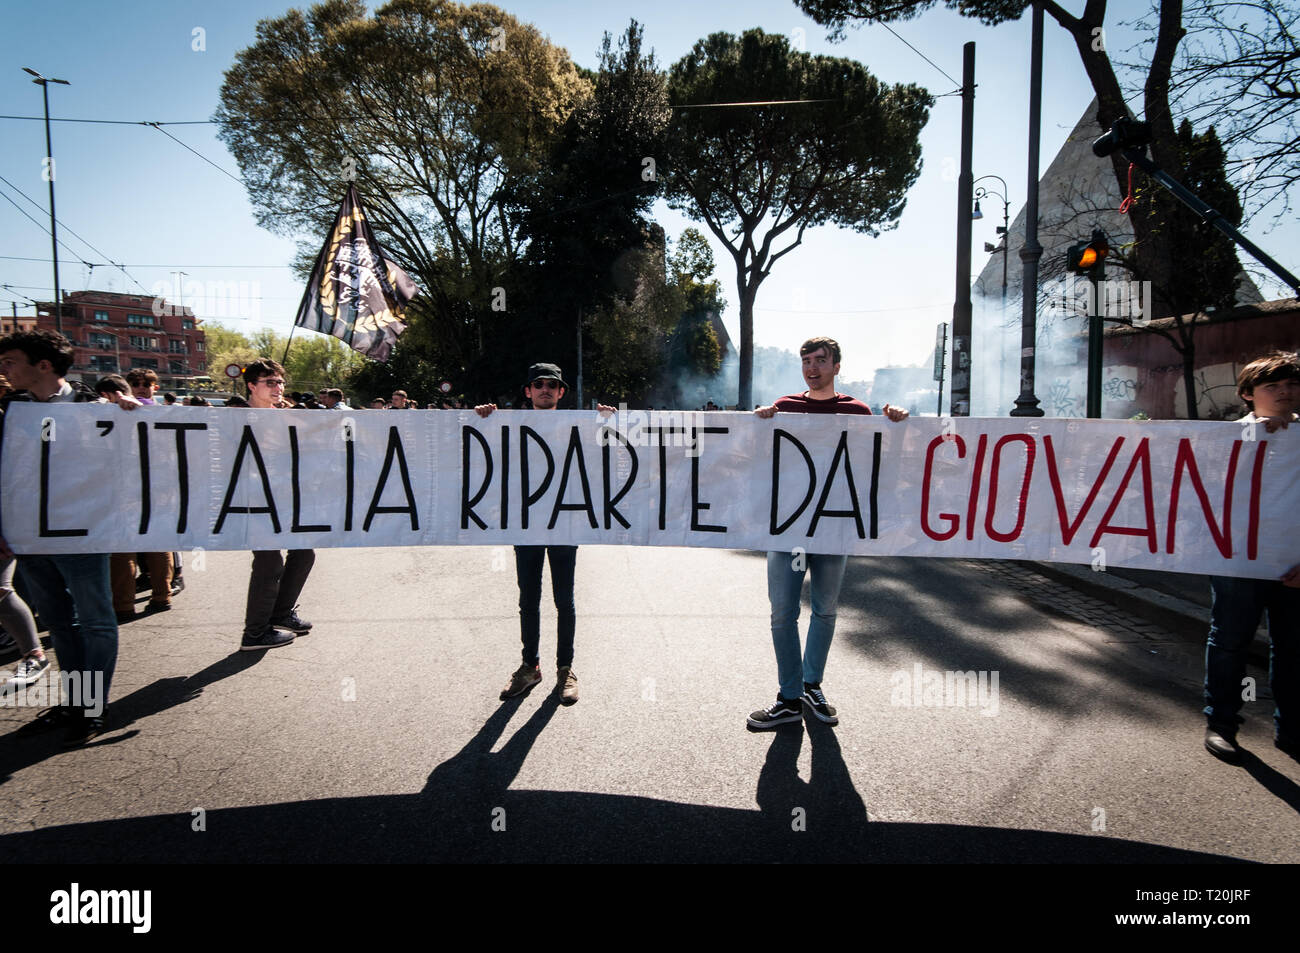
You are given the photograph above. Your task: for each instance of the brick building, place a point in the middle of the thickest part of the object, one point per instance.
(114, 333)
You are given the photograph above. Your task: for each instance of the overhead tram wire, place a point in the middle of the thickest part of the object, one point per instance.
(121, 268)
(159, 127)
(46, 230)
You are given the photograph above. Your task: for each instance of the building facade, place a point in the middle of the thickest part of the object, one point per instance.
(114, 333)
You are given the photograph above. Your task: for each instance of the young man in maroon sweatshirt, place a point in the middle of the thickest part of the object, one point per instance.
(800, 677)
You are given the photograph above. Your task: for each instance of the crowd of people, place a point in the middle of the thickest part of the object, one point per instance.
(83, 598)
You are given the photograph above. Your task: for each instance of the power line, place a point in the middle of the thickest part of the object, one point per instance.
(919, 53)
(42, 228)
(159, 127)
(139, 265)
(121, 268)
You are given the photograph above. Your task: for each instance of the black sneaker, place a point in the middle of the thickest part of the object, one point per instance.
(143, 583)
(292, 623)
(815, 702)
(83, 729)
(272, 638)
(785, 710)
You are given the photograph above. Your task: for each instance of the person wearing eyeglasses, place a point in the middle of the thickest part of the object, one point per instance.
(271, 619)
(544, 390)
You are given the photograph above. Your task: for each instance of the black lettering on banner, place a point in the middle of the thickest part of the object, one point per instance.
(505, 477)
(696, 506)
(394, 451)
(841, 450)
(466, 504)
(142, 434)
(350, 463)
(182, 469)
(45, 530)
(875, 479)
(611, 503)
(777, 436)
(105, 427)
(295, 526)
(247, 442)
(575, 449)
(663, 470)
(529, 499)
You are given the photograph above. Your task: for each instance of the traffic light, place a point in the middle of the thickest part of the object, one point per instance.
(1082, 258)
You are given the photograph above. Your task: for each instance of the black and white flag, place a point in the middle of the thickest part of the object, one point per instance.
(354, 293)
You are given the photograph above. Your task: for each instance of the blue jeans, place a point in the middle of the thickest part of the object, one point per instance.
(785, 573)
(1234, 616)
(74, 598)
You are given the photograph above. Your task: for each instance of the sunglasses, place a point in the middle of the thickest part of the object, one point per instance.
(272, 381)
(547, 384)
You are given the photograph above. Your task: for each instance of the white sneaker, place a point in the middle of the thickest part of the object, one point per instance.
(29, 670)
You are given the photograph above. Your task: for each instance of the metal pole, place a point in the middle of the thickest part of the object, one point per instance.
(1027, 403)
(961, 309)
(54, 233)
(1095, 275)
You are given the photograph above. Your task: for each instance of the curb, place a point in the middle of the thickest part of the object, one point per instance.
(1186, 620)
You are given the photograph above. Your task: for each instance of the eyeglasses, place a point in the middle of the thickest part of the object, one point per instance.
(272, 381)
(547, 384)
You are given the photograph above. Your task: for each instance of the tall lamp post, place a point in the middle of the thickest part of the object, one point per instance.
(44, 83)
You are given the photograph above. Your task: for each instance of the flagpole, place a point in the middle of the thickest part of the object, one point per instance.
(285, 358)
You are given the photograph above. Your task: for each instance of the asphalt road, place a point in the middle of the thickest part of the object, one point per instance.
(380, 736)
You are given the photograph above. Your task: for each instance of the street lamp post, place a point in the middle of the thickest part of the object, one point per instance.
(44, 83)
(983, 192)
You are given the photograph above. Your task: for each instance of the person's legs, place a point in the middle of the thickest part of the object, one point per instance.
(52, 601)
(563, 560)
(122, 578)
(1234, 616)
(785, 572)
(827, 576)
(160, 575)
(297, 567)
(88, 581)
(15, 616)
(263, 589)
(1283, 658)
(528, 572)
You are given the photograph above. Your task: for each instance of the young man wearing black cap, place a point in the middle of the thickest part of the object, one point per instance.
(545, 389)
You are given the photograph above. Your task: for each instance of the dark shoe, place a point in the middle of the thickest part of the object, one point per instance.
(143, 583)
(83, 729)
(566, 683)
(292, 623)
(270, 639)
(522, 681)
(1222, 746)
(56, 717)
(178, 584)
(153, 607)
(785, 710)
(814, 701)
(125, 617)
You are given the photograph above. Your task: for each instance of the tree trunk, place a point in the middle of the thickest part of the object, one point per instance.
(1189, 378)
(745, 400)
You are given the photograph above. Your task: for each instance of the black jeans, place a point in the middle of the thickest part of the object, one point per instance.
(274, 586)
(528, 569)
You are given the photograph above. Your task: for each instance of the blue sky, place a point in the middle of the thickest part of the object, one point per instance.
(144, 200)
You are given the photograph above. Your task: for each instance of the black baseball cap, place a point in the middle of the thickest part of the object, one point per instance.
(545, 372)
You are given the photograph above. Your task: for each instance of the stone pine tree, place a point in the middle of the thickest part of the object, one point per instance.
(758, 176)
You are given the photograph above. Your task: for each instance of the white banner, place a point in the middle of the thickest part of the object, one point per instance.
(1188, 497)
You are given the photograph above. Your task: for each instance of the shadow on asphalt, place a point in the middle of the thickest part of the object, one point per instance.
(468, 813)
(18, 751)
(946, 602)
